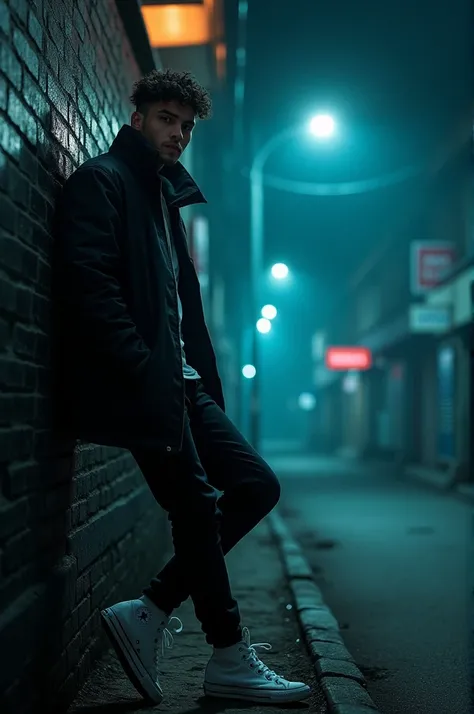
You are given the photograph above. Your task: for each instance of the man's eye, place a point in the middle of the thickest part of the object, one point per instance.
(165, 119)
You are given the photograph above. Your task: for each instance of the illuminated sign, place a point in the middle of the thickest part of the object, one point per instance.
(429, 264)
(344, 358)
(425, 318)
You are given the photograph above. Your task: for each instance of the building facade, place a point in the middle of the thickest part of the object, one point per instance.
(412, 307)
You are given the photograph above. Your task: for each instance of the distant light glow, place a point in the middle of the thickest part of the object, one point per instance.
(249, 371)
(307, 401)
(280, 271)
(269, 311)
(350, 382)
(264, 325)
(322, 126)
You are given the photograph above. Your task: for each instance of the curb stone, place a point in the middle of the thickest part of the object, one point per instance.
(343, 684)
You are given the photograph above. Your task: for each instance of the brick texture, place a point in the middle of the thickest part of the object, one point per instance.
(78, 527)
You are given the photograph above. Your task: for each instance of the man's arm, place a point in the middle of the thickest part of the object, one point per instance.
(89, 262)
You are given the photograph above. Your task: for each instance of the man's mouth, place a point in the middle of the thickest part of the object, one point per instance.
(173, 147)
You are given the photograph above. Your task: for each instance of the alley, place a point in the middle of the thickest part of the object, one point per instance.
(393, 560)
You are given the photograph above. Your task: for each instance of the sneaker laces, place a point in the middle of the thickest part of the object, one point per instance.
(255, 661)
(166, 639)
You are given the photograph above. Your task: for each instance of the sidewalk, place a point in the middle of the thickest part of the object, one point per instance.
(259, 585)
(442, 480)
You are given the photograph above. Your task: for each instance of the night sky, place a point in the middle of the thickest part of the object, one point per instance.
(397, 77)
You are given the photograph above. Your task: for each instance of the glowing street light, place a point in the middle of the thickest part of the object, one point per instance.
(322, 126)
(307, 401)
(264, 325)
(280, 271)
(269, 312)
(249, 371)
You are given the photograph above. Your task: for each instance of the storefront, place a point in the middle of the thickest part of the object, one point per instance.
(354, 392)
(454, 370)
(326, 419)
(426, 411)
(402, 391)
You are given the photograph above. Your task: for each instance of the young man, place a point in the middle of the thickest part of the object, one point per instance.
(139, 372)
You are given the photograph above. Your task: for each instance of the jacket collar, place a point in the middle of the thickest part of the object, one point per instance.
(179, 188)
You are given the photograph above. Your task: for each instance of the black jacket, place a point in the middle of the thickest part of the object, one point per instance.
(118, 367)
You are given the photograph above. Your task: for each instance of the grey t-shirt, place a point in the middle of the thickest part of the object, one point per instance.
(188, 371)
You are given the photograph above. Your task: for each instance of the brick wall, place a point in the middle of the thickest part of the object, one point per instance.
(78, 528)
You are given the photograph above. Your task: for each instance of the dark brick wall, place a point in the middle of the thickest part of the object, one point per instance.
(78, 528)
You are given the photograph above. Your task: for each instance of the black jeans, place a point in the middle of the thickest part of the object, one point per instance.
(205, 524)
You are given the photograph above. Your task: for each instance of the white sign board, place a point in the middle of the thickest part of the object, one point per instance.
(430, 261)
(430, 320)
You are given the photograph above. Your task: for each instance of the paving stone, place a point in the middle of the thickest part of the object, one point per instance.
(340, 668)
(315, 634)
(318, 617)
(340, 691)
(296, 566)
(330, 651)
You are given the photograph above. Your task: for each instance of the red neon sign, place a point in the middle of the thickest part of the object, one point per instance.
(344, 358)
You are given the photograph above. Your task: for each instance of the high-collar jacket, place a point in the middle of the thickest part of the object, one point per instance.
(118, 367)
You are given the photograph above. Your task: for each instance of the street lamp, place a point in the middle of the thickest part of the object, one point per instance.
(264, 325)
(269, 311)
(256, 246)
(280, 271)
(249, 371)
(322, 126)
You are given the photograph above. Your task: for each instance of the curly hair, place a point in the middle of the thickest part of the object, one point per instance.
(168, 86)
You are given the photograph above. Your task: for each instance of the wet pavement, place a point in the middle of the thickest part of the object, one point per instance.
(394, 561)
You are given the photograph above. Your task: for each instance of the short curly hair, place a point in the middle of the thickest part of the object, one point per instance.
(171, 86)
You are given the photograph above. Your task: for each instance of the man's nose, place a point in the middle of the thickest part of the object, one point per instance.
(177, 134)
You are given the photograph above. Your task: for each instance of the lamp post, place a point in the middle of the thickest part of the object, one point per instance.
(320, 127)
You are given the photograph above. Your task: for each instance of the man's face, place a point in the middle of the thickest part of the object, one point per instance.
(168, 126)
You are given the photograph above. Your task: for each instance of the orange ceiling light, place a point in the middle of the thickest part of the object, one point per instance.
(177, 25)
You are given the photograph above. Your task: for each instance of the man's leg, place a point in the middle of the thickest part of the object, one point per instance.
(138, 628)
(180, 485)
(251, 489)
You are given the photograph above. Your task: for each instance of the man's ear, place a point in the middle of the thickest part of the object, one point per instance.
(137, 120)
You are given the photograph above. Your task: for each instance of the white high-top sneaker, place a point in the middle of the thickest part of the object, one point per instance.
(238, 673)
(138, 632)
